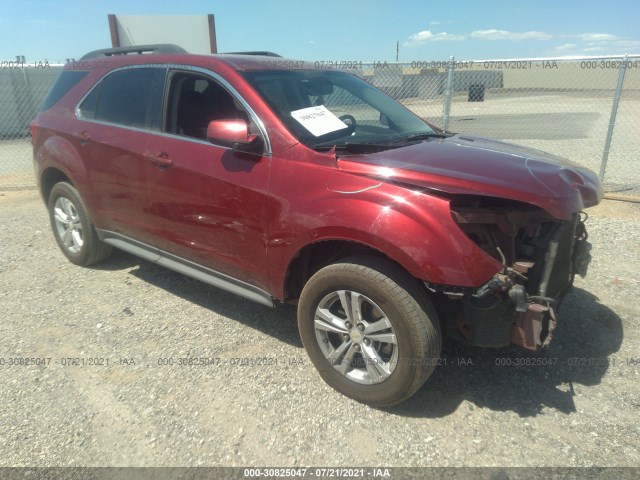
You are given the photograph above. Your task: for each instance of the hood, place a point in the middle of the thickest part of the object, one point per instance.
(480, 166)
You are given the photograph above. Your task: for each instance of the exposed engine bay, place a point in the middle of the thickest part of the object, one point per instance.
(540, 256)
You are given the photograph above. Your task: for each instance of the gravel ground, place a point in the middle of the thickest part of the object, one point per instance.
(575, 404)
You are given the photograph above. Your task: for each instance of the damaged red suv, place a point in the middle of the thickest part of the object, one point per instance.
(282, 182)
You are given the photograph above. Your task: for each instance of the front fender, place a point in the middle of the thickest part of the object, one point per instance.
(412, 228)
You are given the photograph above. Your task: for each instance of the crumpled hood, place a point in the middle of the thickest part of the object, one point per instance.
(479, 166)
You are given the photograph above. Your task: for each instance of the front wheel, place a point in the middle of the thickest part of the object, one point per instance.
(369, 329)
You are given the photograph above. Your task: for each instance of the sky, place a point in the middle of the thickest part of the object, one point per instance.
(341, 30)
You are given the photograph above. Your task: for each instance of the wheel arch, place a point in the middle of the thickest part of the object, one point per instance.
(49, 177)
(314, 256)
(58, 160)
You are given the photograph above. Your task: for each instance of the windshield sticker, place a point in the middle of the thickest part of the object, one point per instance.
(318, 120)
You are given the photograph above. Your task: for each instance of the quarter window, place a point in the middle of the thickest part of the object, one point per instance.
(65, 82)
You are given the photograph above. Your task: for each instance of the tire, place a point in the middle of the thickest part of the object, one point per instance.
(386, 359)
(72, 227)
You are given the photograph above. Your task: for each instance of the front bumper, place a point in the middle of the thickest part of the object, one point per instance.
(517, 306)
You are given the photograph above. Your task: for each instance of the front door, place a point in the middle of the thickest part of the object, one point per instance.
(208, 202)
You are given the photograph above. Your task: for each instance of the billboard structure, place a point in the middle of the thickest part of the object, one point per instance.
(194, 33)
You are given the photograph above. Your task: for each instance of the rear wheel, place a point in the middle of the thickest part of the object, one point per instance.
(72, 227)
(369, 329)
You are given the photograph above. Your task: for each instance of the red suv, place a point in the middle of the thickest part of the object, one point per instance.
(282, 182)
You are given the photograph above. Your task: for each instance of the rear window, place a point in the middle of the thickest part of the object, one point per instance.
(65, 82)
(128, 97)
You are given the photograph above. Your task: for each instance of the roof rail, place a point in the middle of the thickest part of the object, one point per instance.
(136, 49)
(264, 53)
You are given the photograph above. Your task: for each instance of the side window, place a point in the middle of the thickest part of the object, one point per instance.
(194, 100)
(125, 97)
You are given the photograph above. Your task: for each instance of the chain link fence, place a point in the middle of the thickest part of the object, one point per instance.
(22, 90)
(584, 109)
(622, 172)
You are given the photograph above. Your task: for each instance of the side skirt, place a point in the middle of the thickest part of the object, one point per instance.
(186, 267)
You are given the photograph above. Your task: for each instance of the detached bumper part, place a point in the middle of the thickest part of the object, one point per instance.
(534, 327)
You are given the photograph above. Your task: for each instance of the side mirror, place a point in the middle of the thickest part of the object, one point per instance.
(384, 120)
(234, 134)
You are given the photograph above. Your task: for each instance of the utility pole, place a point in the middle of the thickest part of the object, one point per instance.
(397, 50)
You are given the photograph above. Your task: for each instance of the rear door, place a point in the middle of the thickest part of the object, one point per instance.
(114, 121)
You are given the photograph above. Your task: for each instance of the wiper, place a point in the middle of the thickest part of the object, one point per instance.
(425, 136)
(353, 147)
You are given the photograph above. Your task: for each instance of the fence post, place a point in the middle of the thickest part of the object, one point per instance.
(28, 95)
(612, 119)
(446, 108)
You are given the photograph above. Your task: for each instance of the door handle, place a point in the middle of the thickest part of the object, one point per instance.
(161, 160)
(83, 137)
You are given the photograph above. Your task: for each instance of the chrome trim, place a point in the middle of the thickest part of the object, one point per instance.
(195, 140)
(173, 66)
(186, 267)
(188, 139)
(128, 127)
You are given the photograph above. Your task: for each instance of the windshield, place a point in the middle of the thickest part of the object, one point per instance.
(323, 109)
